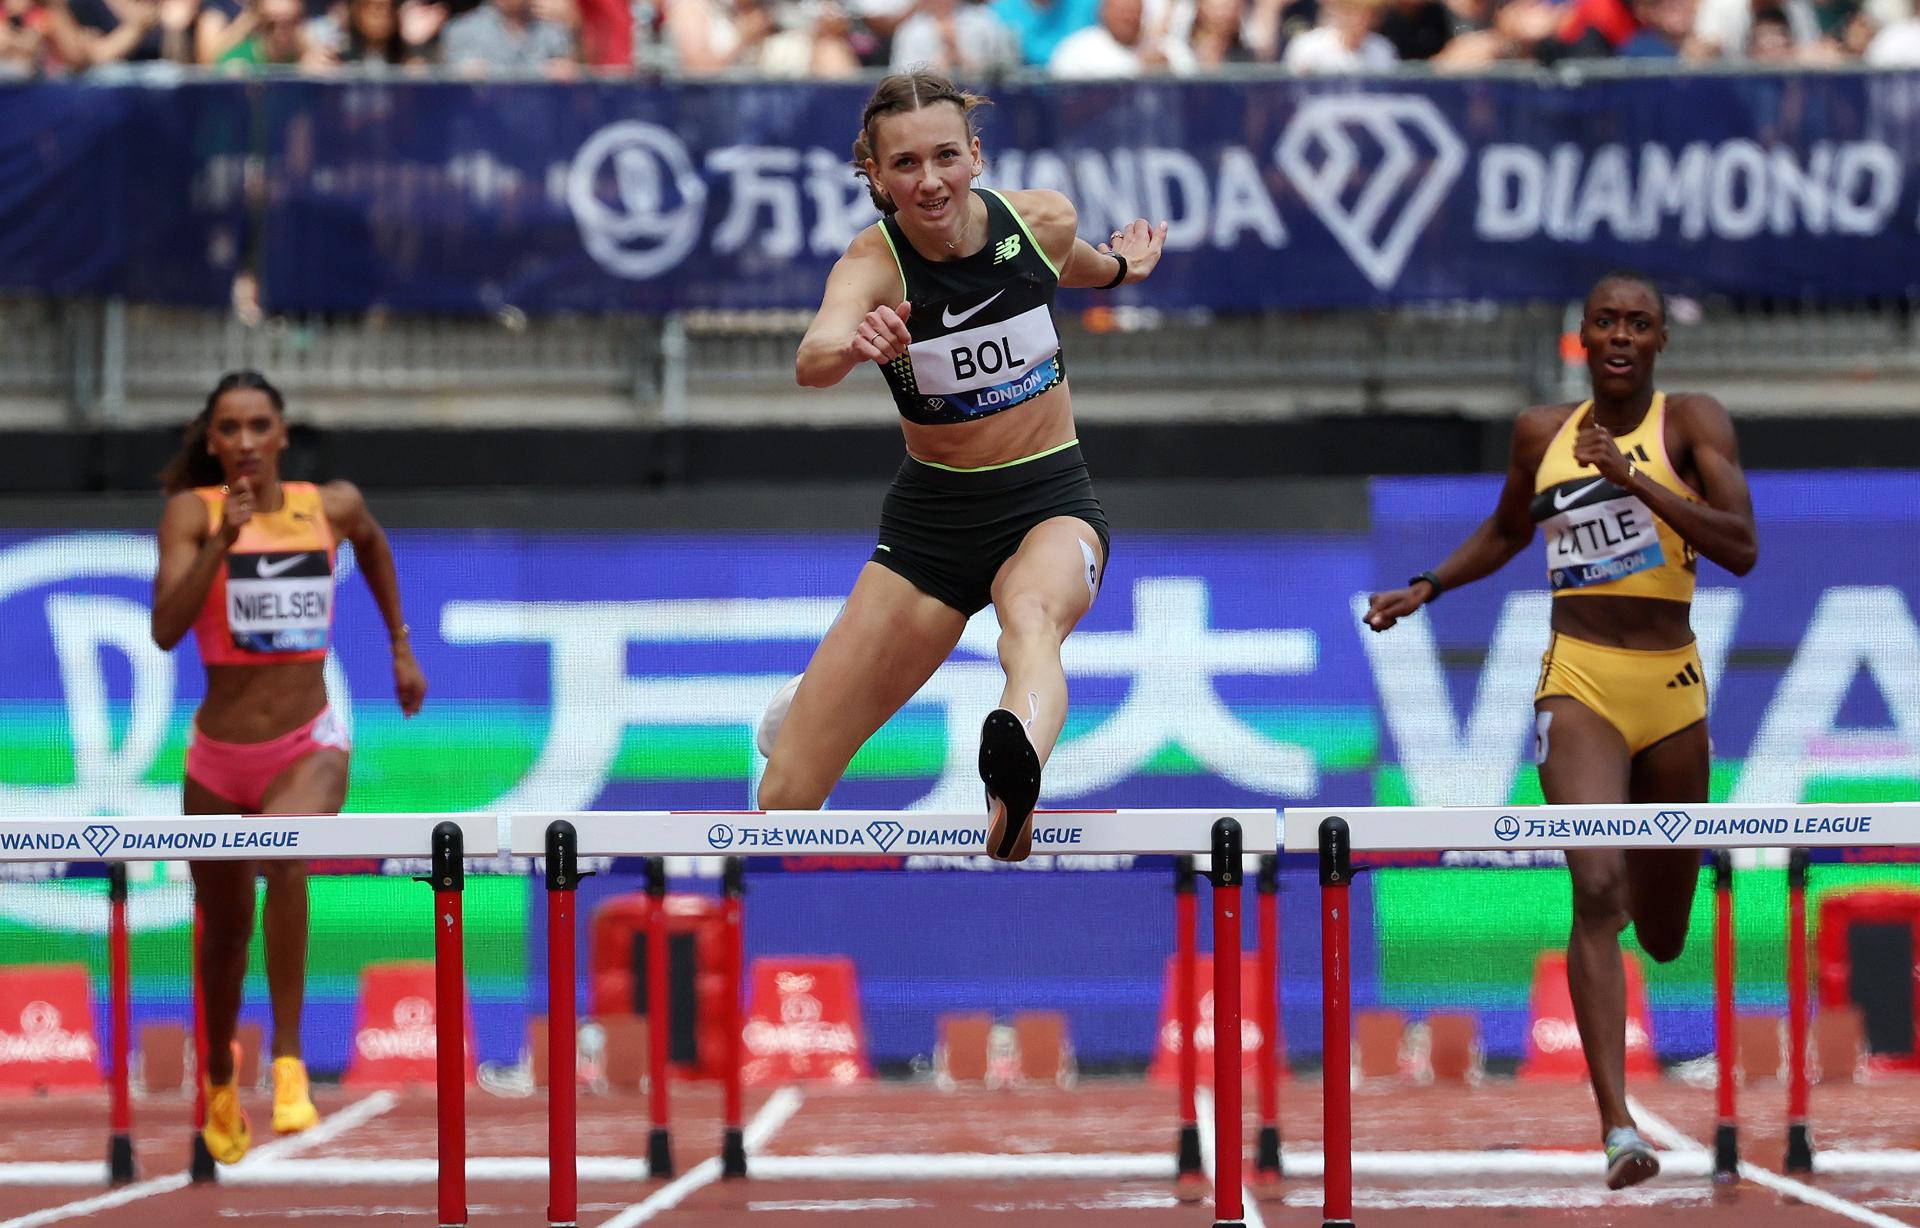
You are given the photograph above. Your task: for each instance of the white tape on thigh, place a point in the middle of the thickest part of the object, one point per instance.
(1542, 722)
(1092, 561)
(775, 716)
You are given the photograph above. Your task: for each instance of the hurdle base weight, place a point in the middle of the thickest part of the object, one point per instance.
(733, 1155)
(1266, 1169)
(1726, 1154)
(201, 1170)
(1799, 1148)
(120, 1160)
(659, 1153)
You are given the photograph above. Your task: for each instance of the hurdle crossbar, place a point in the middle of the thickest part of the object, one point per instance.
(441, 841)
(779, 833)
(1226, 835)
(1337, 834)
(1699, 825)
(233, 837)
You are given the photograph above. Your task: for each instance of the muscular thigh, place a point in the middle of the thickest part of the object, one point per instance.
(1582, 757)
(312, 784)
(1059, 563)
(1676, 769)
(886, 643)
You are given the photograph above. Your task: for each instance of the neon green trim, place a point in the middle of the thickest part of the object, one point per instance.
(1036, 247)
(1002, 465)
(898, 267)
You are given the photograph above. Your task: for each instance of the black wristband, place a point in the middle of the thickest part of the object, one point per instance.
(1121, 275)
(1432, 579)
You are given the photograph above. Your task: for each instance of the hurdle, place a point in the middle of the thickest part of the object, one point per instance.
(443, 839)
(1337, 834)
(1223, 834)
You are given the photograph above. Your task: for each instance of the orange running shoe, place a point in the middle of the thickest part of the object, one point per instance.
(293, 1109)
(227, 1133)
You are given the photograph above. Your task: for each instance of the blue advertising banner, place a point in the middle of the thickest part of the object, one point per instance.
(124, 189)
(577, 671)
(611, 197)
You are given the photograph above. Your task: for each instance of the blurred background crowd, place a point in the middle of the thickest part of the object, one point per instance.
(973, 39)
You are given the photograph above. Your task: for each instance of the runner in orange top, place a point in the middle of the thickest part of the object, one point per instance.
(1629, 488)
(246, 563)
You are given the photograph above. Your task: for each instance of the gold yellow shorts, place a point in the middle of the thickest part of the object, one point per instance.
(1645, 695)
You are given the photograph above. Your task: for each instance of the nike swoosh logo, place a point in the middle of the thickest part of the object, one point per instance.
(948, 318)
(1562, 499)
(268, 571)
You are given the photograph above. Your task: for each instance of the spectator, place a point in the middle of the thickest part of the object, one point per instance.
(1418, 29)
(277, 37)
(1770, 41)
(956, 38)
(1344, 41)
(1121, 45)
(509, 36)
(1896, 46)
(41, 36)
(1219, 35)
(137, 30)
(709, 36)
(806, 40)
(377, 32)
(1667, 33)
(1488, 31)
(1040, 26)
(1727, 25)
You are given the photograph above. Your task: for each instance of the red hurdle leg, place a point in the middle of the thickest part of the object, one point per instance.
(450, 1015)
(120, 992)
(1228, 1207)
(1336, 1036)
(733, 1148)
(200, 1167)
(1726, 1134)
(659, 1138)
(1189, 1174)
(1267, 1152)
(1799, 1141)
(563, 1170)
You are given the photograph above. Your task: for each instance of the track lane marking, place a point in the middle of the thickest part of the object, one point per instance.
(1664, 1132)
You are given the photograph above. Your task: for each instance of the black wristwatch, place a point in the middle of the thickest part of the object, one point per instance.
(1432, 579)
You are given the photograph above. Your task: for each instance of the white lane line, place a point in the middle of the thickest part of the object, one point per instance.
(100, 1202)
(1249, 1209)
(336, 1125)
(780, 1106)
(355, 1115)
(965, 1166)
(1663, 1132)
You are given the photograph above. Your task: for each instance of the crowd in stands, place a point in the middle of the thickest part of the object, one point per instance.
(975, 40)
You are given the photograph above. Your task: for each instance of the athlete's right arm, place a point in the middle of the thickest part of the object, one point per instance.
(856, 322)
(1500, 536)
(190, 557)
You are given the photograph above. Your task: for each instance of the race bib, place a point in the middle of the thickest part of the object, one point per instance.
(280, 602)
(1596, 533)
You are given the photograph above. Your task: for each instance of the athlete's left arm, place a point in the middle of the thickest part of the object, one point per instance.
(347, 512)
(1083, 266)
(1721, 528)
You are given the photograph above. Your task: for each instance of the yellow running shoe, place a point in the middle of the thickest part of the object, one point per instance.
(227, 1133)
(293, 1109)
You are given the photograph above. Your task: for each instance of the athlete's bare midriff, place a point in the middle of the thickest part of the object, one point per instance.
(257, 703)
(1010, 435)
(1647, 623)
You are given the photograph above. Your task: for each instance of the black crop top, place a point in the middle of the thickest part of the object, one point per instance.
(982, 326)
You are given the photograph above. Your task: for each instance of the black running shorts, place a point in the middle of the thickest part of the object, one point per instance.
(948, 532)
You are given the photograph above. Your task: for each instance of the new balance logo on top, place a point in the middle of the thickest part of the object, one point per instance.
(1639, 453)
(1686, 677)
(1006, 249)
